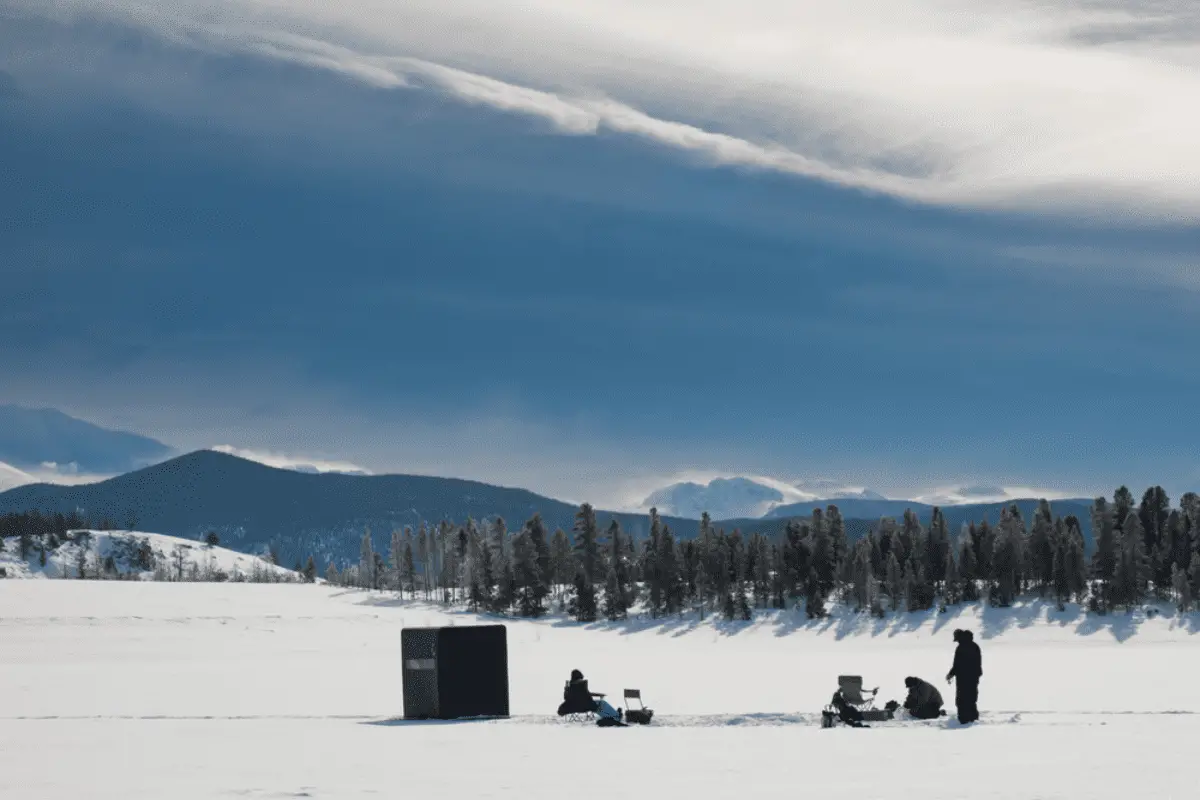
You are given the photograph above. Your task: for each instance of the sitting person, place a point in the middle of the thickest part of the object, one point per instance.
(577, 699)
(846, 712)
(924, 701)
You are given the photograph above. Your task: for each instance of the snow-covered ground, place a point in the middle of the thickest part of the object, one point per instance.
(182, 690)
(195, 560)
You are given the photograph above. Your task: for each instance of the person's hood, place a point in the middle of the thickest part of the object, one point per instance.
(576, 675)
(961, 635)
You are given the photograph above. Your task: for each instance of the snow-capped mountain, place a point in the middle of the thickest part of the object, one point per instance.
(743, 497)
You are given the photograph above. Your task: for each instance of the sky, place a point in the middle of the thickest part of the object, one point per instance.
(592, 248)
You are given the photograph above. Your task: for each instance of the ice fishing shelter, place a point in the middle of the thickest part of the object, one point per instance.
(454, 672)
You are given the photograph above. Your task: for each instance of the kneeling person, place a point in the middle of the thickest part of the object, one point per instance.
(924, 701)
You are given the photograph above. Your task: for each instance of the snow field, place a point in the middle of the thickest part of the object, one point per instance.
(138, 689)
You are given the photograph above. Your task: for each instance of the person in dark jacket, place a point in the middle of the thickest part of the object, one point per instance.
(967, 670)
(923, 701)
(578, 699)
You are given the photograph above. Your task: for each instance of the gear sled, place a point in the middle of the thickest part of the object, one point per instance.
(640, 715)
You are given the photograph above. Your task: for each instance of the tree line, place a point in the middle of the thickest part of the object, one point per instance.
(1146, 551)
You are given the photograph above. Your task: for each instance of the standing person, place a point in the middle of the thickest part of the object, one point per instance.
(967, 670)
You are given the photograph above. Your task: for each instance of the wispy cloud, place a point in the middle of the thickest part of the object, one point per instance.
(957, 495)
(49, 472)
(298, 463)
(1061, 105)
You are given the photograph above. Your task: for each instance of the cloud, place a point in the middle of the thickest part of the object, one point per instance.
(958, 495)
(48, 472)
(297, 463)
(1075, 107)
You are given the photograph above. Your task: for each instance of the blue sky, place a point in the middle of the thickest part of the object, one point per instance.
(590, 277)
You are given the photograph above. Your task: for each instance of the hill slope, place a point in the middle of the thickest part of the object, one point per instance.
(120, 554)
(252, 505)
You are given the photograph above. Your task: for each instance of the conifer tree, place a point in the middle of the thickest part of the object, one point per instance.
(951, 585)
(423, 557)
(651, 573)
(1077, 568)
(863, 576)
(396, 561)
(617, 588)
(894, 581)
(1042, 549)
(1183, 589)
(1105, 557)
(366, 564)
(762, 570)
(937, 545)
(408, 571)
(1007, 558)
(583, 604)
(967, 570)
(779, 589)
(331, 574)
(669, 573)
(310, 570)
(587, 542)
(814, 596)
(1133, 566)
(528, 576)
(839, 545)
(541, 549)
(1194, 574)
(562, 562)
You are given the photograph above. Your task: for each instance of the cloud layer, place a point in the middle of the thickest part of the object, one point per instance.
(1078, 106)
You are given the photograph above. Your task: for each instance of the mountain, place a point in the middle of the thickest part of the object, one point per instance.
(852, 507)
(251, 505)
(44, 438)
(722, 498)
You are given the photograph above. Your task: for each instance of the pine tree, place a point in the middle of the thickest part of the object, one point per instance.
(587, 542)
(1194, 574)
(669, 573)
(541, 550)
(310, 570)
(1060, 571)
(616, 591)
(423, 557)
(836, 526)
(408, 571)
(583, 604)
(528, 574)
(1105, 558)
(951, 585)
(937, 545)
(562, 562)
(366, 562)
(1154, 514)
(1183, 589)
(396, 561)
(864, 577)
(1077, 567)
(1133, 568)
(650, 558)
(968, 570)
(894, 581)
(1042, 549)
(1007, 557)
(814, 596)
